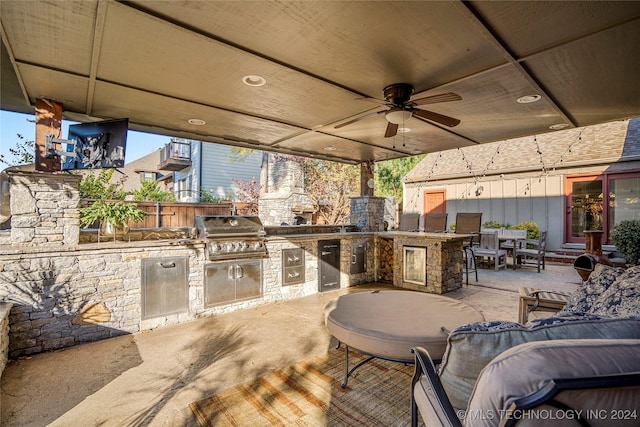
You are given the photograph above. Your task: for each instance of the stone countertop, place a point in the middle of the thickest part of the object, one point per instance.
(103, 245)
(318, 236)
(423, 235)
(384, 234)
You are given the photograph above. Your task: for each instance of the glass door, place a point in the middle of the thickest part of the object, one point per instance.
(584, 207)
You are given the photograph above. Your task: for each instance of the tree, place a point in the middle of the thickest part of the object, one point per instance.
(99, 187)
(389, 173)
(150, 191)
(331, 185)
(23, 153)
(248, 192)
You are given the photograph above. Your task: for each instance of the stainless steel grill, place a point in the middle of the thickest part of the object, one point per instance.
(232, 237)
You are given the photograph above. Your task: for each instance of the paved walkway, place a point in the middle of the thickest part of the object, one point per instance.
(149, 378)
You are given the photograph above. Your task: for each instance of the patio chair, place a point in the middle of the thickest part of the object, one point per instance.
(409, 222)
(469, 223)
(489, 247)
(565, 377)
(532, 249)
(435, 222)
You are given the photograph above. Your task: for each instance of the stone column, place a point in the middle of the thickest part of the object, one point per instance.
(44, 208)
(368, 213)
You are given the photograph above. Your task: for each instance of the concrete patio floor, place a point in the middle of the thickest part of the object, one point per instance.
(149, 378)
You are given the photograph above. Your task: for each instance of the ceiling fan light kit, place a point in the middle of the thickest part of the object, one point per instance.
(398, 115)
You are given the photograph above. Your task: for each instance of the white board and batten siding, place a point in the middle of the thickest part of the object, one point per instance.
(505, 200)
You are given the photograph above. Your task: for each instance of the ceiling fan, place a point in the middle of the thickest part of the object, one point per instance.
(398, 97)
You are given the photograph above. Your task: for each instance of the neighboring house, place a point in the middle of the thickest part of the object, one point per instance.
(566, 181)
(143, 169)
(208, 167)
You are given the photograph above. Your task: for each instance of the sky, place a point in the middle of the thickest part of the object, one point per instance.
(139, 144)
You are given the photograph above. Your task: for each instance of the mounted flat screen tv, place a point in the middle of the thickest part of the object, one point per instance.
(97, 145)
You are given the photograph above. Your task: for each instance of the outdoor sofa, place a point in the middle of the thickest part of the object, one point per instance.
(606, 307)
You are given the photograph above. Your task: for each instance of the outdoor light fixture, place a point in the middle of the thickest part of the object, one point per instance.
(559, 126)
(254, 81)
(404, 130)
(398, 115)
(330, 148)
(196, 122)
(528, 99)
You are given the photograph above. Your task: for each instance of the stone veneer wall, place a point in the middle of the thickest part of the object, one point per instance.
(275, 209)
(44, 208)
(444, 262)
(93, 291)
(368, 213)
(5, 308)
(86, 293)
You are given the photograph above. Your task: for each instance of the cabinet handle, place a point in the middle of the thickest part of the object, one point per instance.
(167, 264)
(239, 272)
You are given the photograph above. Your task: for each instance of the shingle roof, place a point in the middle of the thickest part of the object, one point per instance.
(605, 142)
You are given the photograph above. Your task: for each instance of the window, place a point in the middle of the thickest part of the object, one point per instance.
(184, 188)
(600, 202)
(624, 199)
(147, 176)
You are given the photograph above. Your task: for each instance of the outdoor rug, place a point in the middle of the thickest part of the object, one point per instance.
(309, 394)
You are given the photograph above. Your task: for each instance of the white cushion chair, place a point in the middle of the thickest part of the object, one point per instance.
(540, 383)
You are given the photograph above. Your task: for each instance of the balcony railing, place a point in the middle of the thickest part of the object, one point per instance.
(175, 156)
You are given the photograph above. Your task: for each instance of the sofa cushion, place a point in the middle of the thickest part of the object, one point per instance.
(529, 368)
(622, 298)
(581, 301)
(471, 347)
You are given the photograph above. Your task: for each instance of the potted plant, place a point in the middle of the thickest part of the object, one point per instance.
(113, 216)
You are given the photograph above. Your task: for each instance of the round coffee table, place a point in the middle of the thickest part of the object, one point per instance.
(387, 324)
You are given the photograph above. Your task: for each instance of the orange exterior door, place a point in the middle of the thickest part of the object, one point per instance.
(435, 201)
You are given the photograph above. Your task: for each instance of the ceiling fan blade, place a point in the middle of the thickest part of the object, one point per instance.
(435, 117)
(377, 101)
(392, 130)
(357, 119)
(434, 99)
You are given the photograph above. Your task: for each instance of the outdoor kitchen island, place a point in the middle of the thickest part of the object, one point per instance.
(427, 262)
(64, 291)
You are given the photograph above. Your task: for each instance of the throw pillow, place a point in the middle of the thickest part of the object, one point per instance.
(622, 298)
(583, 298)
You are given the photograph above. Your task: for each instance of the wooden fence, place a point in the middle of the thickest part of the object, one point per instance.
(165, 214)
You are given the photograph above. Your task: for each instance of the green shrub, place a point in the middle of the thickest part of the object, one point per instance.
(626, 237)
(533, 231)
(492, 224)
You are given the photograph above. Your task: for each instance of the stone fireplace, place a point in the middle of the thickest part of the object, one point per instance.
(284, 200)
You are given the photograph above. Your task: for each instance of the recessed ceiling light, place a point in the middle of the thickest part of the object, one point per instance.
(528, 99)
(196, 122)
(253, 80)
(559, 126)
(404, 130)
(330, 148)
